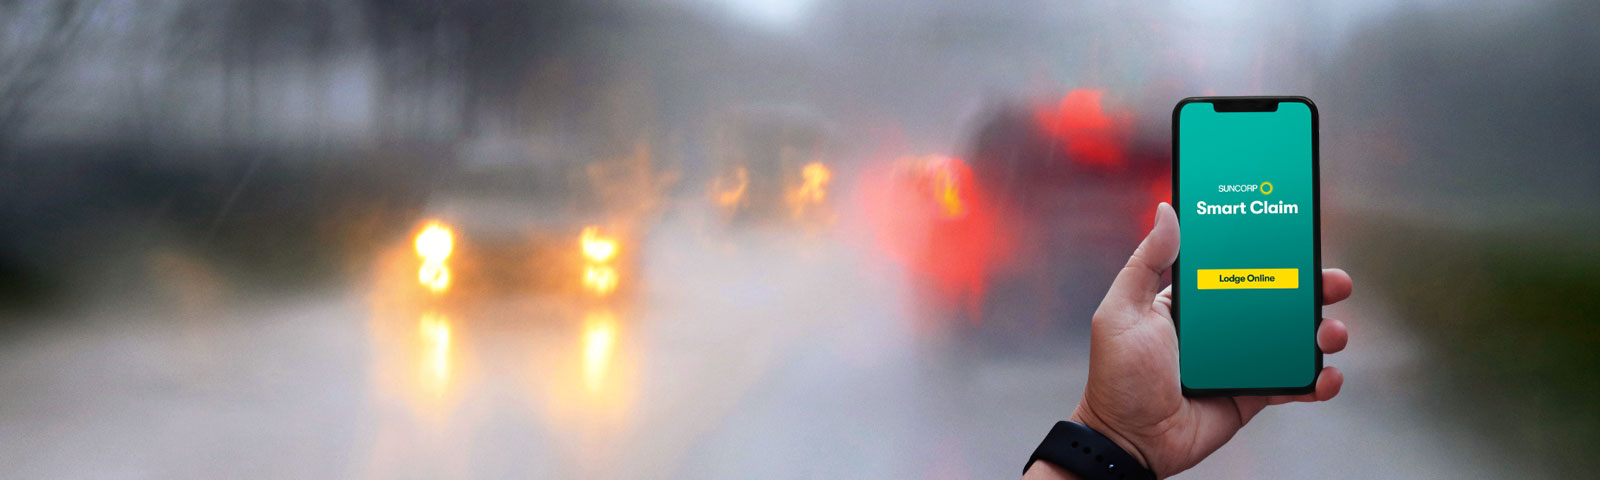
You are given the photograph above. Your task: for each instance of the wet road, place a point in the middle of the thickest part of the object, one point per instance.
(745, 355)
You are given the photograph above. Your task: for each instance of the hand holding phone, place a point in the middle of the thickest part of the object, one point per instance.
(1133, 394)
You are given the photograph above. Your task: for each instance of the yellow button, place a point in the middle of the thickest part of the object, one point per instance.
(1233, 278)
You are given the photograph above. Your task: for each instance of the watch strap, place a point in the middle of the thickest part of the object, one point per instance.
(1079, 449)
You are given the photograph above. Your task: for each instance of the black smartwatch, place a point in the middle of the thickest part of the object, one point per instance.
(1088, 454)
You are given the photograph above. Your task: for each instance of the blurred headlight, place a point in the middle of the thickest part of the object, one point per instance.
(434, 244)
(596, 247)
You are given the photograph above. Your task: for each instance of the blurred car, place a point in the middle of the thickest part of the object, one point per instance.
(1079, 179)
(509, 219)
(1045, 201)
(771, 167)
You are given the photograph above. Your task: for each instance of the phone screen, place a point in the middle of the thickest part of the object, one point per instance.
(1248, 275)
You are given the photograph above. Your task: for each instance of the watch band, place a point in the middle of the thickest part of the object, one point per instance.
(1081, 450)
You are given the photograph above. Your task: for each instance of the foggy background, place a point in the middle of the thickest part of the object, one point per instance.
(208, 210)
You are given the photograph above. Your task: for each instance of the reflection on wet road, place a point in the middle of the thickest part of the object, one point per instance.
(599, 341)
(719, 368)
(435, 333)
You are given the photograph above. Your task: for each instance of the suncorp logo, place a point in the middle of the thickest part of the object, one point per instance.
(1265, 188)
(1238, 206)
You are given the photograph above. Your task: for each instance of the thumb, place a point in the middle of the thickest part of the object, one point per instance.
(1138, 283)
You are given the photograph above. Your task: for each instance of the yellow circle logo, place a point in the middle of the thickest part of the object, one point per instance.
(1266, 188)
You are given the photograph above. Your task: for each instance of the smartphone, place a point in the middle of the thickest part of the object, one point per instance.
(1247, 285)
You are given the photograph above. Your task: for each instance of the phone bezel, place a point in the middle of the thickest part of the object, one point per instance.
(1316, 245)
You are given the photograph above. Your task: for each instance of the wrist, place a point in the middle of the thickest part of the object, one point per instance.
(1085, 415)
(1074, 447)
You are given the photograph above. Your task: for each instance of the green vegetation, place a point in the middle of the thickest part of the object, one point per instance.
(1508, 320)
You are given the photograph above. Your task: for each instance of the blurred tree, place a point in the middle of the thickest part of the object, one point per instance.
(463, 57)
(40, 38)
